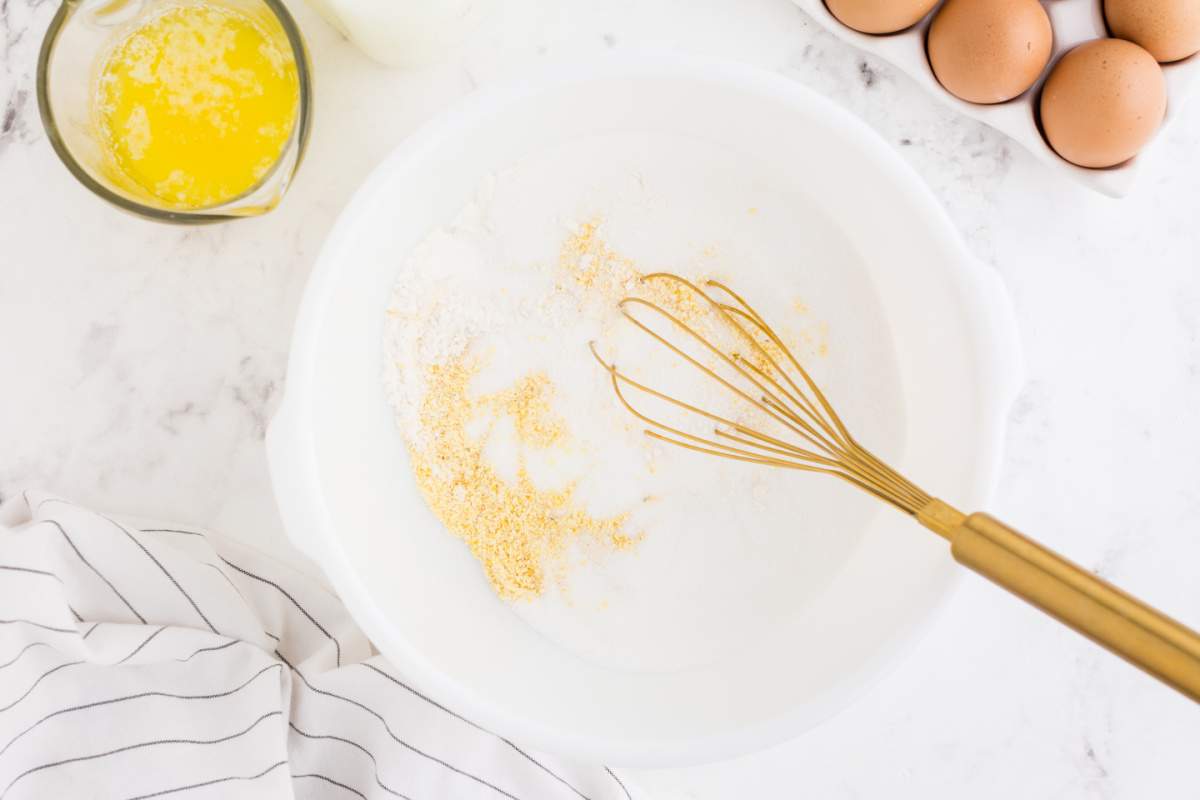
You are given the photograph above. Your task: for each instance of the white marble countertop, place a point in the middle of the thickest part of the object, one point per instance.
(141, 363)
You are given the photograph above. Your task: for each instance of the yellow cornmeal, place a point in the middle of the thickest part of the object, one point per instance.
(195, 105)
(520, 532)
(528, 404)
(611, 277)
(516, 530)
(599, 269)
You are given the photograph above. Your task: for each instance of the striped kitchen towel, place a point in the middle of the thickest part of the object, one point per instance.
(155, 662)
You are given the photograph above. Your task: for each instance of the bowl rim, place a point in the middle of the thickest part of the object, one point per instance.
(291, 448)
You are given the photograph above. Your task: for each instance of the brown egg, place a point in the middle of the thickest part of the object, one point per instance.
(989, 51)
(1102, 101)
(1168, 29)
(879, 16)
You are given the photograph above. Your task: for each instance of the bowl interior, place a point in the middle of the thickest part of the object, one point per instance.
(416, 590)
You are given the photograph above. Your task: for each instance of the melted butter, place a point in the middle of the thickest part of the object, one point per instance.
(196, 105)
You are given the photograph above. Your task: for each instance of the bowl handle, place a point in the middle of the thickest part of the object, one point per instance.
(1004, 342)
(289, 461)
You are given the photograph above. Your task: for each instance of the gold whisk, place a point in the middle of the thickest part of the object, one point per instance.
(744, 355)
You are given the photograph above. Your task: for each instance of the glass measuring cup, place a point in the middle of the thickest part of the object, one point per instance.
(78, 38)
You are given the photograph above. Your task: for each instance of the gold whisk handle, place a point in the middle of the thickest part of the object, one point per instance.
(1146, 638)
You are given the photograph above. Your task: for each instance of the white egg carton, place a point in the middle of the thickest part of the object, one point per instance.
(1075, 22)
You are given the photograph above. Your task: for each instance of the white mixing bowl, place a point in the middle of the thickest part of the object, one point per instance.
(341, 472)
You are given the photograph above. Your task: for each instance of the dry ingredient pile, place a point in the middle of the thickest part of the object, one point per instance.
(512, 528)
(623, 550)
(521, 531)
